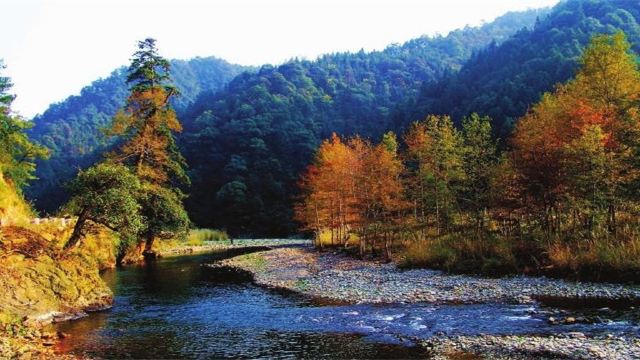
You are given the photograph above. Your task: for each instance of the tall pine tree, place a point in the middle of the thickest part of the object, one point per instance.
(146, 126)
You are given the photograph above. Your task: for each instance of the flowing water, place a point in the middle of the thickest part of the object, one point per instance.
(174, 308)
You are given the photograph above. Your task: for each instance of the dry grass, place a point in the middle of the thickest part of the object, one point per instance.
(325, 240)
(198, 237)
(600, 257)
(457, 253)
(14, 210)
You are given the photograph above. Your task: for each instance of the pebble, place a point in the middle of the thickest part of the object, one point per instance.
(534, 347)
(340, 278)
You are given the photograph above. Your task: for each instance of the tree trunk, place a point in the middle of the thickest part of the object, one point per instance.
(77, 232)
(612, 218)
(387, 251)
(148, 252)
(148, 244)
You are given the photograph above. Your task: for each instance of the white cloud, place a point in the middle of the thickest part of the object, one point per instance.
(53, 48)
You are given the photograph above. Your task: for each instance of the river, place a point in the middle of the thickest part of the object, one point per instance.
(174, 308)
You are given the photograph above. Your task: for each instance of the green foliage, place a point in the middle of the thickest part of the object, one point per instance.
(17, 153)
(501, 81)
(148, 69)
(247, 145)
(162, 213)
(479, 160)
(390, 142)
(72, 129)
(106, 194)
(435, 148)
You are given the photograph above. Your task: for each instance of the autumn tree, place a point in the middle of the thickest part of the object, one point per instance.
(329, 186)
(146, 127)
(380, 192)
(148, 123)
(353, 187)
(575, 149)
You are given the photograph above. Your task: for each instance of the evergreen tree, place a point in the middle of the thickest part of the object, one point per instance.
(146, 127)
(17, 152)
(436, 149)
(147, 124)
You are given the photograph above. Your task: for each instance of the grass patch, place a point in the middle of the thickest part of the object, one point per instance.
(324, 239)
(197, 237)
(600, 259)
(456, 253)
(253, 261)
(14, 210)
(597, 259)
(302, 284)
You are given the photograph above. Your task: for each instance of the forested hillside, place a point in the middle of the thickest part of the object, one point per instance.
(72, 128)
(247, 145)
(266, 125)
(503, 81)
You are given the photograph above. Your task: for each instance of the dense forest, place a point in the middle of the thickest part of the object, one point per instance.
(247, 144)
(73, 128)
(295, 104)
(563, 197)
(262, 130)
(503, 81)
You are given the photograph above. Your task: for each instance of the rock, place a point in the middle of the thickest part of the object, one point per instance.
(570, 320)
(576, 335)
(552, 320)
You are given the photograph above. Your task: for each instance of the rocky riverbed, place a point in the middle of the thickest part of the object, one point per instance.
(215, 246)
(339, 278)
(343, 278)
(566, 346)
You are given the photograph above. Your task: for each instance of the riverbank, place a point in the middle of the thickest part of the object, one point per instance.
(179, 248)
(567, 346)
(339, 278)
(40, 285)
(342, 278)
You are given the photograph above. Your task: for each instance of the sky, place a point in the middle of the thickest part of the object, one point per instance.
(53, 48)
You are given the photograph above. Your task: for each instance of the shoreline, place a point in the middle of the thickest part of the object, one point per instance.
(336, 279)
(344, 279)
(226, 245)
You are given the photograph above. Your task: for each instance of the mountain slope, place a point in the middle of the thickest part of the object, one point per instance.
(71, 128)
(503, 80)
(247, 145)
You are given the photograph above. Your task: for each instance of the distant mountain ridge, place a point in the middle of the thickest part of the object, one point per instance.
(71, 129)
(502, 81)
(246, 142)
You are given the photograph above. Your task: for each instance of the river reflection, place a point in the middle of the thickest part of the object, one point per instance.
(175, 309)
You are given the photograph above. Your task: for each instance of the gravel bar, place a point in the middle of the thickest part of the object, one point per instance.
(341, 278)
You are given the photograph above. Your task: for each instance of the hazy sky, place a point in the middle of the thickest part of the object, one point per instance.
(52, 48)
